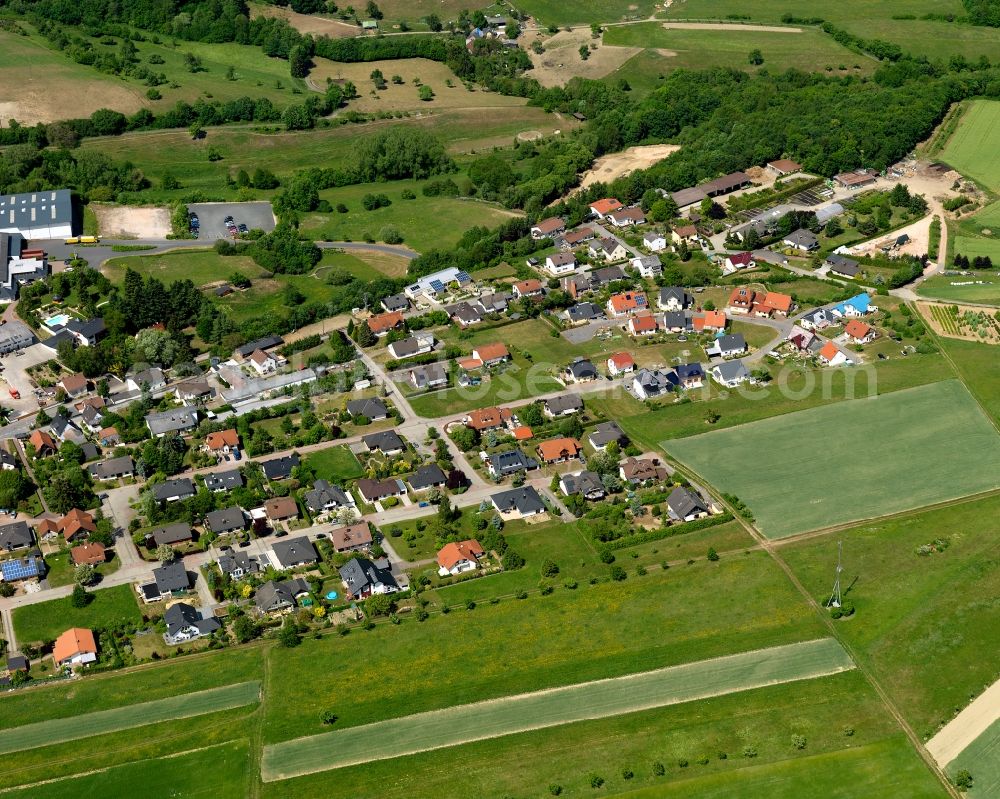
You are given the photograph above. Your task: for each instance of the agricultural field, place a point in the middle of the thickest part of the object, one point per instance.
(335, 464)
(941, 444)
(700, 745)
(495, 718)
(980, 369)
(583, 12)
(979, 287)
(973, 147)
(981, 759)
(179, 706)
(807, 49)
(45, 621)
(923, 585)
(971, 323)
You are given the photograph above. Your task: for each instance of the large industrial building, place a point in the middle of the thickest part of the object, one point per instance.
(37, 214)
(19, 266)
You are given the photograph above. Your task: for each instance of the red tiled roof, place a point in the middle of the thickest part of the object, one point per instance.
(557, 448)
(222, 438)
(453, 553)
(605, 206)
(385, 321)
(75, 641)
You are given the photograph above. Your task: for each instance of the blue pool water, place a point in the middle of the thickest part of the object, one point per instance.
(57, 320)
(332, 595)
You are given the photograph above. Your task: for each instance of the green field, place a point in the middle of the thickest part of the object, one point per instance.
(46, 621)
(54, 731)
(974, 147)
(980, 369)
(336, 464)
(852, 460)
(981, 758)
(577, 12)
(939, 287)
(918, 616)
(809, 50)
(220, 771)
(201, 267)
(466, 723)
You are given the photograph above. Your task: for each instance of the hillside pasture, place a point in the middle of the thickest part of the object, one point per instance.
(974, 148)
(201, 267)
(499, 717)
(878, 456)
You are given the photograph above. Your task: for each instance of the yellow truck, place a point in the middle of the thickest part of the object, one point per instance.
(82, 240)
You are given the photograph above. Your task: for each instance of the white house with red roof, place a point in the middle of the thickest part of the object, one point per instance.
(620, 363)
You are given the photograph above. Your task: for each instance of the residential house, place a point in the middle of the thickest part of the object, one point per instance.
(741, 300)
(575, 238)
(647, 383)
(8, 462)
(627, 217)
(771, 304)
(736, 261)
(280, 468)
(673, 298)
(43, 443)
(30, 567)
(237, 564)
(607, 433)
(648, 266)
(267, 343)
(731, 373)
(91, 419)
(174, 490)
(627, 303)
(73, 385)
(532, 287)
(560, 263)
(491, 354)
(109, 437)
(608, 248)
(171, 534)
(563, 405)
(465, 314)
(433, 375)
(14, 536)
(263, 363)
(587, 484)
(150, 379)
(584, 312)
(222, 442)
(381, 324)
(860, 333)
(363, 578)
(831, 355)
(427, 477)
(599, 278)
(684, 234)
(518, 503)
(601, 208)
(113, 468)
(177, 420)
(373, 491)
(841, 266)
(728, 346)
(87, 332)
(169, 580)
(184, 623)
(226, 520)
(684, 505)
(373, 409)
(487, 419)
(690, 375)
(88, 554)
(420, 344)
(802, 240)
(581, 371)
(644, 325)
(281, 509)
(64, 430)
(224, 481)
(801, 339)
(275, 597)
(353, 538)
(325, 497)
(654, 241)
(675, 322)
(548, 228)
(387, 442)
(495, 302)
(858, 305)
(817, 319)
(459, 556)
(292, 553)
(558, 450)
(503, 464)
(620, 363)
(75, 647)
(395, 303)
(76, 525)
(635, 471)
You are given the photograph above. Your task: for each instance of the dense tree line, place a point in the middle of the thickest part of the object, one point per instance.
(983, 12)
(25, 168)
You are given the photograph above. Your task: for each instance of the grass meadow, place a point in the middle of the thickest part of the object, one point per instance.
(55, 731)
(201, 267)
(335, 463)
(46, 621)
(979, 367)
(981, 758)
(974, 147)
(939, 286)
(583, 12)
(918, 616)
(852, 460)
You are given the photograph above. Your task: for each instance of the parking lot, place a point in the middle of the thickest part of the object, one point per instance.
(212, 217)
(15, 375)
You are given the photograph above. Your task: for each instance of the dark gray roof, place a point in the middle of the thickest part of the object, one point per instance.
(731, 342)
(511, 461)
(406, 347)
(37, 209)
(844, 266)
(606, 274)
(294, 552)
(465, 313)
(88, 328)
(152, 377)
(275, 596)
(265, 343)
(429, 374)
(674, 319)
(226, 520)
(582, 370)
(653, 381)
(171, 533)
(687, 371)
(385, 441)
(373, 408)
(683, 503)
(172, 577)
(181, 487)
(395, 302)
(585, 483)
(675, 293)
(564, 403)
(730, 370)
(803, 238)
(230, 560)
(374, 490)
(15, 535)
(280, 468)
(427, 476)
(223, 481)
(180, 616)
(605, 433)
(359, 574)
(112, 467)
(53, 342)
(323, 494)
(690, 196)
(525, 499)
(585, 311)
(174, 420)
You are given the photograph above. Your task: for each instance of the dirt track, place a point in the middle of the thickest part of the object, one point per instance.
(729, 26)
(968, 725)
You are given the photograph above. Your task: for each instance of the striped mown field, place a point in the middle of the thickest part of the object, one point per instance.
(592, 700)
(54, 731)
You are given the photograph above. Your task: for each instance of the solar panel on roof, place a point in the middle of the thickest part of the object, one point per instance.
(18, 569)
(463, 277)
(437, 285)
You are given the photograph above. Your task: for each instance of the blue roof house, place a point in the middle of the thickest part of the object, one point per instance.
(856, 306)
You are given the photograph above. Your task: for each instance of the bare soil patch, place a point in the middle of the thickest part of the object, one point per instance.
(33, 94)
(307, 23)
(729, 26)
(968, 725)
(919, 233)
(561, 59)
(118, 222)
(610, 167)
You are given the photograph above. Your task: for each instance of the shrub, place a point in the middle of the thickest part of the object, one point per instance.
(659, 769)
(627, 773)
(596, 781)
(799, 741)
(618, 573)
(555, 790)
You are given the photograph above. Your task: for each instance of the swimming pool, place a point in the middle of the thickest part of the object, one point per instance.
(57, 320)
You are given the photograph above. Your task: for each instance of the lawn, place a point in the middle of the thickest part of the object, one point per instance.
(974, 147)
(981, 758)
(424, 222)
(919, 617)
(809, 50)
(46, 621)
(940, 286)
(201, 267)
(875, 761)
(978, 245)
(365, 265)
(219, 772)
(852, 460)
(335, 463)
(979, 367)
(55, 731)
(479, 721)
